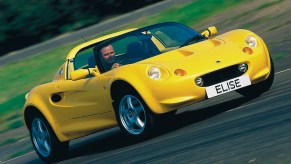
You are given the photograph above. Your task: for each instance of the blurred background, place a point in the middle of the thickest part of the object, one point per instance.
(27, 22)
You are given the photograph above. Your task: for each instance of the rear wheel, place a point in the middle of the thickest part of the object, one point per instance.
(261, 87)
(133, 116)
(45, 143)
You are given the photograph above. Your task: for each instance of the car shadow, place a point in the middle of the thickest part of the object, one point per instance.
(115, 139)
(201, 114)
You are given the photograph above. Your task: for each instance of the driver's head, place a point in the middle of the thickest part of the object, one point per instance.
(108, 54)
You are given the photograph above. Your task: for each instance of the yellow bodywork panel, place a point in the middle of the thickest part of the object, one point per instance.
(79, 99)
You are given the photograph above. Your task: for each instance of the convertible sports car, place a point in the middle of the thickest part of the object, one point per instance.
(131, 77)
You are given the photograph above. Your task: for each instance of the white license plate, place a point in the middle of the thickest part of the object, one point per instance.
(227, 86)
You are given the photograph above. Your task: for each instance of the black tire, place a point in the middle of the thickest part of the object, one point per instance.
(45, 142)
(165, 118)
(261, 87)
(134, 117)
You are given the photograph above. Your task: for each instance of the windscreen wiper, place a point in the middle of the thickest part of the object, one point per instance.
(196, 38)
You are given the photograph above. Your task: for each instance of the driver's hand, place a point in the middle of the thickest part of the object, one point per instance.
(115, 65)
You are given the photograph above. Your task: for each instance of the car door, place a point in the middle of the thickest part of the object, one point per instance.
(81, 98)
(83, 105)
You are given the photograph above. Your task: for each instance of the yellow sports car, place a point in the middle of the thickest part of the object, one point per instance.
(131, 77)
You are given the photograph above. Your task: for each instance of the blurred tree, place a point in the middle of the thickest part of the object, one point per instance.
(27, 22)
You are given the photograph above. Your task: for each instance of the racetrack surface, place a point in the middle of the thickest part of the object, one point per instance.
(226, 129)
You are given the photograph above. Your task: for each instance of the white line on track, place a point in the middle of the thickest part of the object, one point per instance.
(283, 71)
(289, 69)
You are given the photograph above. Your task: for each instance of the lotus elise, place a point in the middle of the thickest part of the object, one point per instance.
(131, 77)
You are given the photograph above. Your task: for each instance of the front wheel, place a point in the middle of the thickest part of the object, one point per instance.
(45, 142)
(133, 116)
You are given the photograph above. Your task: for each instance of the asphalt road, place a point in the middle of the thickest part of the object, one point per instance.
(226, 129)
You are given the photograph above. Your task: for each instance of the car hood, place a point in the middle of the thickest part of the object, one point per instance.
(202, 57)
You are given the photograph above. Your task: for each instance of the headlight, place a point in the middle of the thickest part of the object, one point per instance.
(251, 41)
(154, 73)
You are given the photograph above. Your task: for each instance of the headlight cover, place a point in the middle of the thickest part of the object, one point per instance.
(154, 73)
(251, 41)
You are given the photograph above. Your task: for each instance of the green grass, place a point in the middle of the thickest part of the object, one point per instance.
(15, 124)
(12, 120)
(13, 140)
(9, 141)
(12, 104)
(189, 14)
(18, 78)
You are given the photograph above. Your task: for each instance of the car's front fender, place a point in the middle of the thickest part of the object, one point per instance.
(136, 77)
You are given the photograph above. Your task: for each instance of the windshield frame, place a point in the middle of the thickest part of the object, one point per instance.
(97, 46)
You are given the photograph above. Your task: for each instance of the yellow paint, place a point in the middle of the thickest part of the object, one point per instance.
(86, 104)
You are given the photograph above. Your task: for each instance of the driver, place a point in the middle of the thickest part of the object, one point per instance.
(108, 57)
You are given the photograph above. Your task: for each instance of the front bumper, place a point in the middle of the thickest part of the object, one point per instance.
(180, 91)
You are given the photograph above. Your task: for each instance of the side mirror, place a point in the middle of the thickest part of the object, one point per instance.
(82, 73)
(210, 31)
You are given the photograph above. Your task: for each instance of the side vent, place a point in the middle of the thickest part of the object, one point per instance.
(56, 97)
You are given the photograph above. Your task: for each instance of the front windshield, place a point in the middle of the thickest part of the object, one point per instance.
(144, 43)
(173, 35)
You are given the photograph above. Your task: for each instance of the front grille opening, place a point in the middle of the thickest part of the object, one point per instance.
(221, 75)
